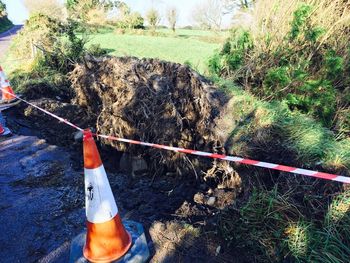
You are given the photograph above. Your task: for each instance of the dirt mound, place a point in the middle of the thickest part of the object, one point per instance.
(154, 101)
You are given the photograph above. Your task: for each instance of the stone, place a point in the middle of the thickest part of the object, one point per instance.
(211, 201)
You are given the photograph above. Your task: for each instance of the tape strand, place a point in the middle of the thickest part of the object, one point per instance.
(283, 168)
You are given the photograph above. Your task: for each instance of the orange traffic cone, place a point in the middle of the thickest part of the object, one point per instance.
(4, 131)
(7, 92)
(106, 239)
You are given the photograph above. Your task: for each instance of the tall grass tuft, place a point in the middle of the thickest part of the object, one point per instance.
(277, 226)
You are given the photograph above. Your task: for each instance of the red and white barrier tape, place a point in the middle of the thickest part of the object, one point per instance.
(278, 167)
(45, 111)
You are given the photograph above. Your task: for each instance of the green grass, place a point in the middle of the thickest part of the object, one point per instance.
(185, 46)
(193, 32)
(192, 47)
(10, 63)
(271, 132)
(275, 226)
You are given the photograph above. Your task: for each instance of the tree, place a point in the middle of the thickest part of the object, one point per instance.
(153, 18)
(3, 12)
(135, 20)
(172, 16)
(107, 4)
(96, 16)
(124, 18)
(209, 14)
(81, 9)
(231, 5)
(51, 8)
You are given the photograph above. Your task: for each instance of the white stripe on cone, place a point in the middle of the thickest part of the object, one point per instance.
(2, 75)
(5, 83)
(3, 79)
(6, 132)
(99, 199)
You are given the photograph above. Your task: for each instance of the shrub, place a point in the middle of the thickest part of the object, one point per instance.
(5, 24)
(3, 12)
(232, 54)
(57, 44)
(215, 64)
(42, 82)
(296, 53)
(132, 20)
(59, 47)
(96, 50)
(39, 30)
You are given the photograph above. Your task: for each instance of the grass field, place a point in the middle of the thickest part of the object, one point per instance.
(190, 46)
(184, 46)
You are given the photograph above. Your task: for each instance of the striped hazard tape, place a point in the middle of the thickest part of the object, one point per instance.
(272, 166)
(278, 167)
(45, 111)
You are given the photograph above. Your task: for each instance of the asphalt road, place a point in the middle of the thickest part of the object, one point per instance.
(6, 38)
(38, 209)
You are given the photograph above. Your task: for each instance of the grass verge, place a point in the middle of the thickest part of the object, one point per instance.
(270, 131)
(273, 226)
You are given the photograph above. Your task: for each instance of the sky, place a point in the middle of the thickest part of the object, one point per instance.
(18, 13)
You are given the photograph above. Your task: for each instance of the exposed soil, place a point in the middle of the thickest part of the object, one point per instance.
(177, 209)
(42, 179)
(179, 225)
(156, 101)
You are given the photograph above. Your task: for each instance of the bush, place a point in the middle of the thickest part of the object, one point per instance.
(56, 44)
(5, 24)
(40, 30)
(42, 82)
(134, 20)
(96, 50)
(290, 54)
(58, 47)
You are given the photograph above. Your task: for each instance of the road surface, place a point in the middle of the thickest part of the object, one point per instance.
(41, 195)
(40, 207)
(6, 38)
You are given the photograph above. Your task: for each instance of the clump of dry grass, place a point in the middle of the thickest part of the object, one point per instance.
(272, 20)
(272, 26)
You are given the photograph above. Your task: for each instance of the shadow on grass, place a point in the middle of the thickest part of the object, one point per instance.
(109, 50)
(184, 36)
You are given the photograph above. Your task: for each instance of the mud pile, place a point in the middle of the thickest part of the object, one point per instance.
(154, 101)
